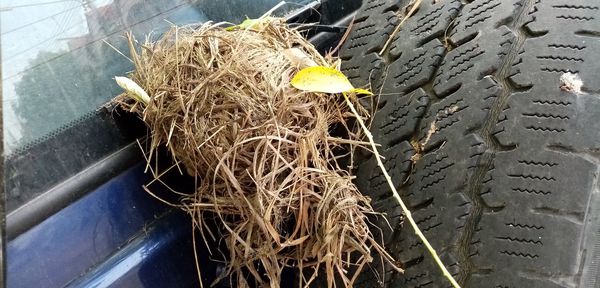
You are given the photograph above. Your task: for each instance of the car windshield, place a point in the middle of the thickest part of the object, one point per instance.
(59, 57)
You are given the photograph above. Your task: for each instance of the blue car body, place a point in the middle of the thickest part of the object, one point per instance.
(115, 236)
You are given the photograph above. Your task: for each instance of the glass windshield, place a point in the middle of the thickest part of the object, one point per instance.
(59, 57)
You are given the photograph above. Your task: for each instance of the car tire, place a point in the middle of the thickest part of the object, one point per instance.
(488, 117)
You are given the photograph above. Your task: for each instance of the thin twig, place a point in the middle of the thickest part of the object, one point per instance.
(196, 252)
(343, 39)
(268, 13)
(397, 196)
(117, 50)
(391, 38)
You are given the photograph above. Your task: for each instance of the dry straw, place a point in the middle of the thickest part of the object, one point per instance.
(263, 152)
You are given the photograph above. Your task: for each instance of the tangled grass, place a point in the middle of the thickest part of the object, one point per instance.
(266, 159)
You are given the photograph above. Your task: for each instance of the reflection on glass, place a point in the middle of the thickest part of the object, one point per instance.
(57, 65)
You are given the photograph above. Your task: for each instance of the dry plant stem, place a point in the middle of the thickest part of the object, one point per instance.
(397, 196)
(416, 5)
(196, 253)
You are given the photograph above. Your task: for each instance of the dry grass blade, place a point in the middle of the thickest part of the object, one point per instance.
(222, 104)
(414, 5)
(396, 195)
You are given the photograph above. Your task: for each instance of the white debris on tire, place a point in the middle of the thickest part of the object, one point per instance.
(571, 82)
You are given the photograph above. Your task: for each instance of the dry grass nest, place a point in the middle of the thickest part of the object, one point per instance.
(264, 154)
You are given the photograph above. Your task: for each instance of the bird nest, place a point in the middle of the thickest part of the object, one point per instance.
(264, 154)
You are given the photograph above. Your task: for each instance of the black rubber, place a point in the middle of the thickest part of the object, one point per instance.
(497, 158)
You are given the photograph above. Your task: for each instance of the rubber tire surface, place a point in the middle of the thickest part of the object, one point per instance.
(497, 156)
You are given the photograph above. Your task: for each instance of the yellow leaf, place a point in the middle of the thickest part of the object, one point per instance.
(361, 91)
(321, 79)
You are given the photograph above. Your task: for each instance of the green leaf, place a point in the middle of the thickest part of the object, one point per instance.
(255, 24)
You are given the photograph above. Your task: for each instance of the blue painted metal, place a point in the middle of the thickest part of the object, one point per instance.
(90, 232)
(159, 257)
